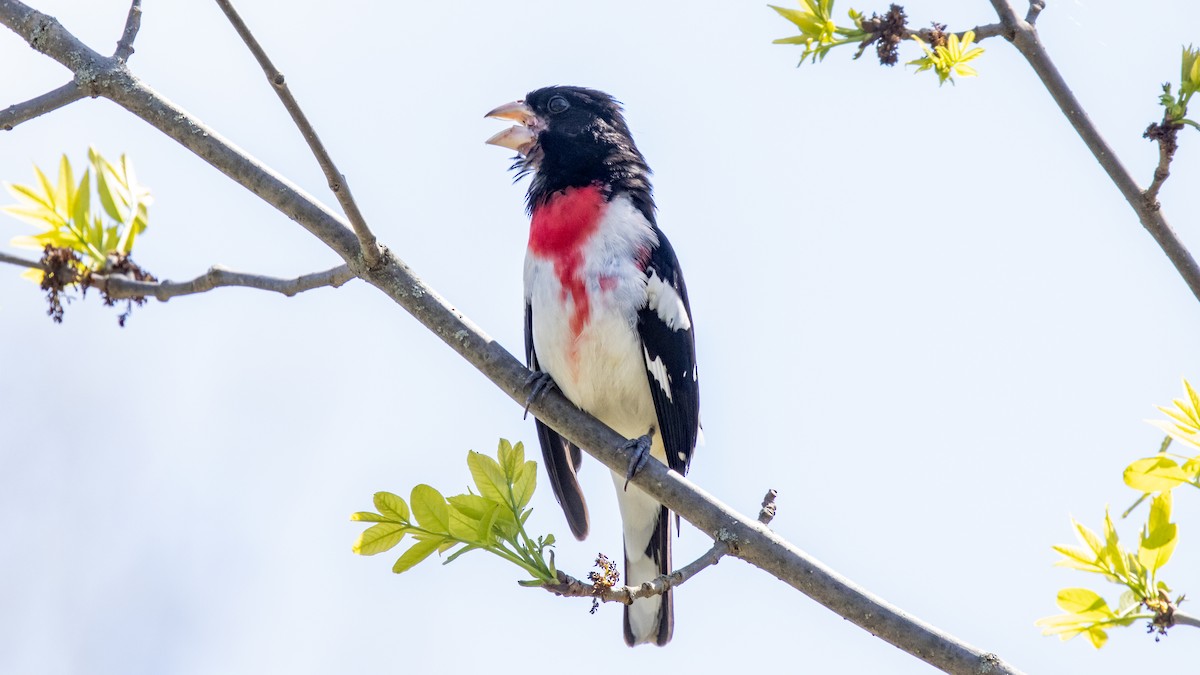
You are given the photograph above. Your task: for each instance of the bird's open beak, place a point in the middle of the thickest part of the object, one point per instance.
(520, 137)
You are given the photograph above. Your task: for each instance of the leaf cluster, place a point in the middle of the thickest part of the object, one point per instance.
(99, 217)
(1146, 596)
(818, 31)
(949, 59)
(1189, 82)
(491, 520)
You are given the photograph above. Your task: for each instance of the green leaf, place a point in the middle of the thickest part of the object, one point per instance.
(1098, 636)
(1159, 536)
(379, 538)
(473, 506)
(28, 194)
(485, 530)
(66, 184)
(391, 506)
(369, 517)
(103, 169)
(81, 202)
(524, 484)
(1082, 601)
(504, 453)
(1089, 538)
(489, 477)
(1154, 474)
(1076, 558)
(430, 509)
(463, 526)
(422, 549)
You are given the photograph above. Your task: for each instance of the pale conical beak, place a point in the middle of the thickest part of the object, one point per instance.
(520, 138)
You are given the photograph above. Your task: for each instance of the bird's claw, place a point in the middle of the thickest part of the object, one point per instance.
(639, 449)
(541, 381)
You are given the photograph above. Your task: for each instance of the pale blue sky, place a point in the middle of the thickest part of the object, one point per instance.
(924, 316)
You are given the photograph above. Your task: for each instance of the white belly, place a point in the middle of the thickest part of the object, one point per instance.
(602, 369)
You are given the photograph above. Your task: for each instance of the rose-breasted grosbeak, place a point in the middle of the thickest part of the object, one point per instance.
(606, 315)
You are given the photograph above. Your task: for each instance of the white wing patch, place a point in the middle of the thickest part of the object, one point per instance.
(658, 370)
(662, 298)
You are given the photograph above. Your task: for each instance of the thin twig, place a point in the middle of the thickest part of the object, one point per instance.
(119, 287)
(133, 23)
(35, 107)
(337, 181)
(981, 32)
(569, 586)
(1182, 619)
(20, 262)
(1025, 38)
(1166, 134)
(1035, 8)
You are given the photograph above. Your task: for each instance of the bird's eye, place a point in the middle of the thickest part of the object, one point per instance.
(557, 104)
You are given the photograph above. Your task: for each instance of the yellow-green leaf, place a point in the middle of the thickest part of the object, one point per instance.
(369, 517)
(1089, 538)
(1159, 536)
(489, 477)
(391, 506)
(430, 509)
(524, 484)
(422, 549)
(1098, 636)
(1076, 558)
(379, 538)
(1082, 601)
(1154, 474)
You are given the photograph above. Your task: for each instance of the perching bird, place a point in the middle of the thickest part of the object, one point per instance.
(606, 315)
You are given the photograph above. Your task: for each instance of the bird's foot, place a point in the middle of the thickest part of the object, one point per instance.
(639, 449)
(540, 381)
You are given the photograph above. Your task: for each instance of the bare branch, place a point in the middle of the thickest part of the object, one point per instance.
(1182, 619)
(767, 514)
(981, 32)
(748, 539)
(1166, 134)
(118, 287)
(1035, 8)
(337, 181)
(133, 24)
(35, 107)
(1025, 38)
(20, 262)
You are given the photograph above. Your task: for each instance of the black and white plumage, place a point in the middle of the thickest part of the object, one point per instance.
(606, 314)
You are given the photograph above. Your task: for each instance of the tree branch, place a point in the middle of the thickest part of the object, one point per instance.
(569, 586)
(133, 23)
(337, 181)
(748, 539)
(119, 287)
(35, 107)
(1182, 619)
(1025, 38)
(20, 262)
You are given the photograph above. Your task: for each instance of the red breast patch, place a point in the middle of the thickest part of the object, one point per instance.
(560, 229)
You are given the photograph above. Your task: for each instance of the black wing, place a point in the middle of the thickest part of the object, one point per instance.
(665, 325)
(559, 455)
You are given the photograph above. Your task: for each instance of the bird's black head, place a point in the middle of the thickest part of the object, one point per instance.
(573, 137)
